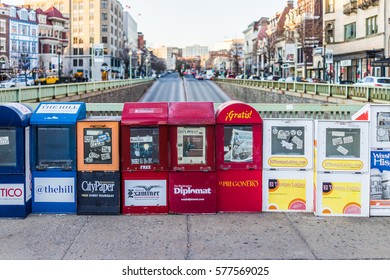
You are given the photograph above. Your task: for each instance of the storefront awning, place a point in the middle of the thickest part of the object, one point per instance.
(381, 63)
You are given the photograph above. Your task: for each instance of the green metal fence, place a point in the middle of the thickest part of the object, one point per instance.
(49, 92)
(355, 92)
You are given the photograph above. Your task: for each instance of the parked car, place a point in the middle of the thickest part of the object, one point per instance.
(240, 76)
(346, 82)
(253, 77)
(374, 81)
(231, 76)
(273, 78)
(290, 79)
(319, 81)
(19, 81)
(199, 77)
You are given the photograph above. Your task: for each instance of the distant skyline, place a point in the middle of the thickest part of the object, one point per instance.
(179, 23)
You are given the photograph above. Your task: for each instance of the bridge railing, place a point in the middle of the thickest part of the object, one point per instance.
(49, 92)
(266, 110)
(355, 92)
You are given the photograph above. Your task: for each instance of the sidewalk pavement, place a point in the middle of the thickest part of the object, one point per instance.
(242, 236)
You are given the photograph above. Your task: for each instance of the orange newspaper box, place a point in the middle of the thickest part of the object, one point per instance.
(98, 173)
(192, 178)
(144, 158)
(238, 158)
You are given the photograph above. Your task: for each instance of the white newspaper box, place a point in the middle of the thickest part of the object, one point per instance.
(288, 162)
(379, 117)
(342, 168)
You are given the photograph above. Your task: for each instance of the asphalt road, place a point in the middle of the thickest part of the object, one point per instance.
(172, 87)
(223, 236)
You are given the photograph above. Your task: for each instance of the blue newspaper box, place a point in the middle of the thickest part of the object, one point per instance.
(53, 156)
(15, 174)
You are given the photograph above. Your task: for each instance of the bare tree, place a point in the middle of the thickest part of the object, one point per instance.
(236, 53)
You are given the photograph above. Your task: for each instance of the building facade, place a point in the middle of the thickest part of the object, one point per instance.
(23, 39)
(357, 34)
(5, 69)
(53, 39)
(195, 50)
(94, 24)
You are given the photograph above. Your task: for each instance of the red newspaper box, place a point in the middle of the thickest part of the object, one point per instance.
(238, 158)
(192, 181)
(144, 158)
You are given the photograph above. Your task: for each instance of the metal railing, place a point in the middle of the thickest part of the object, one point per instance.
(266, 110)
(49, 92)
(354, 92)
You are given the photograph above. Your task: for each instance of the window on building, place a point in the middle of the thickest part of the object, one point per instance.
(33, 47)
(90, 4)
(329, 6)
(3, 27)
(75, 62)
(371, 26)
(104, 16)
(14, 46)
(81, 41)
(91, 40)
(104, 4)
(104, 28)
(329, 32)
(75, 51)
(91, 16)
(81, 62)
(104, 39)
(75, 40)
(61, 7)
(13, 12)
(3, 45)
(105, 51)
(81, 51)
(350, 31)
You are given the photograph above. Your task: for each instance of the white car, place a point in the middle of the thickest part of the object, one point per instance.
(17, 82)
(374, 81)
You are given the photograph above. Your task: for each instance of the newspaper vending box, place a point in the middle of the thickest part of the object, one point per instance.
(379, 117)
(144, 157)
(53, 156)
(192, 178)
(15, 174)
(288, 165)
(98, 174)
(342, 165)
(238, 158)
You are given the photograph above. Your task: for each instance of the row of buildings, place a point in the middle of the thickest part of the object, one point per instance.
(327, 39)
(90, 37)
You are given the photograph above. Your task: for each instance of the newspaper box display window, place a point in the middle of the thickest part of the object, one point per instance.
(288, 165)
(53, 156)
(239, 158)
(98, 177)
(144, 158)
(379, 118)
(342, 178)
(15, 174)
(192, 164)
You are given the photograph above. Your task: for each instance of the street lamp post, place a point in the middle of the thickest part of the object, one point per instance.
(130, 66)
(59, 68)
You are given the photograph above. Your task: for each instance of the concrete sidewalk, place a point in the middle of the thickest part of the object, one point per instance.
(192, 237)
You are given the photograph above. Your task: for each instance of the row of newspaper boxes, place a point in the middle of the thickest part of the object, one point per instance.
(182, 157)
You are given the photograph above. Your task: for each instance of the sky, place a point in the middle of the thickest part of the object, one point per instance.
(180, 23)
